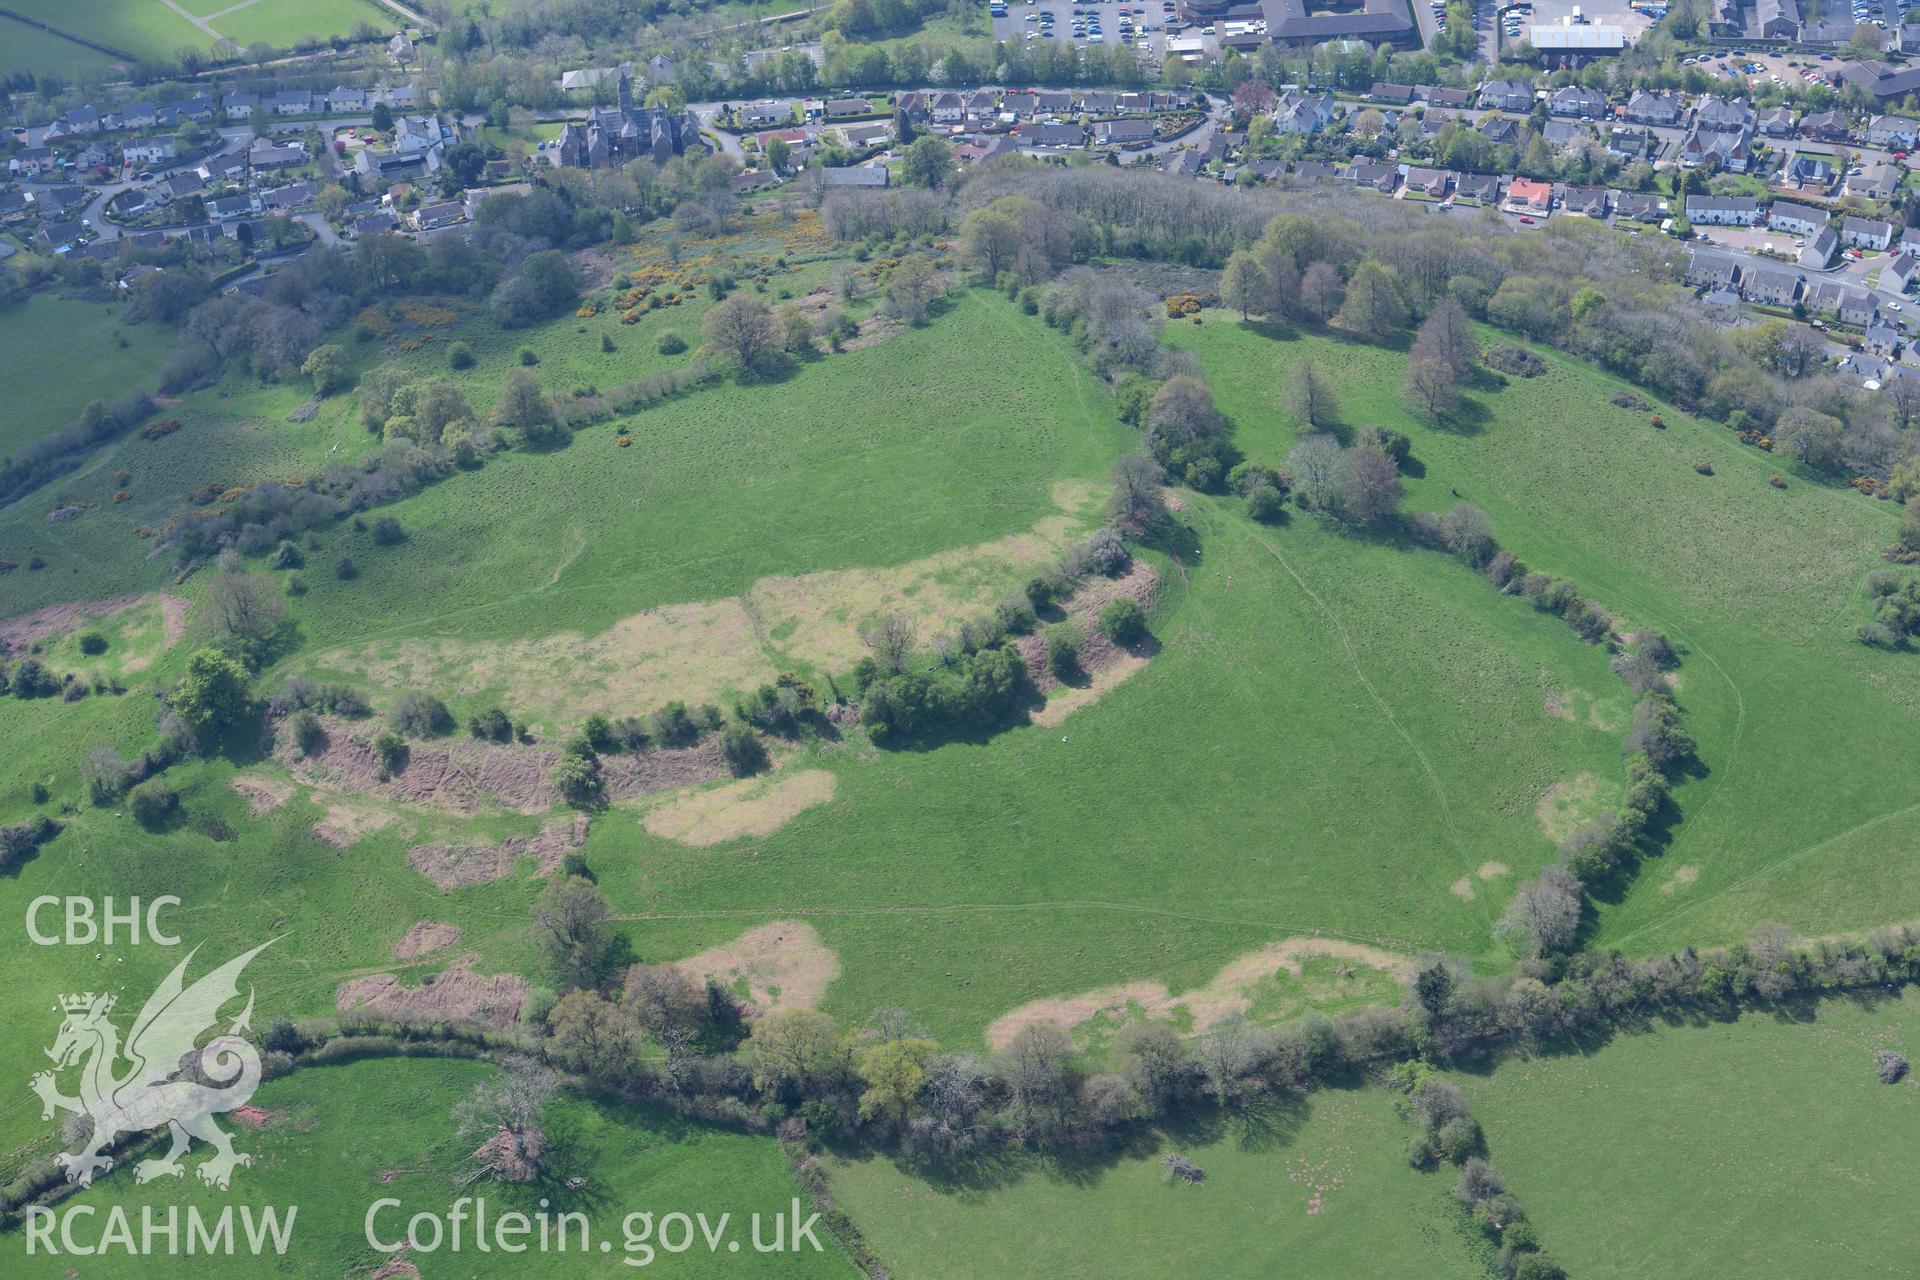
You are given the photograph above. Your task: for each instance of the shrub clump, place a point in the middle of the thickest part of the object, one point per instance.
(152, 801)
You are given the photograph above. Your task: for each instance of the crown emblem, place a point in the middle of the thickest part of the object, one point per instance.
(85, 1001)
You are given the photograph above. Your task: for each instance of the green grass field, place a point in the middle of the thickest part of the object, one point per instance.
(1761, 586)
(29, 49)
(144, 28)
(377, 1130)
(285, 22)
(1320, 1188)
(68, 353)
(1759, 1147)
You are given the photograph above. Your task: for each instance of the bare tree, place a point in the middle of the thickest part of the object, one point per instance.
(742, 329)
(1319, 471)
(242, 604)
(571, 921)
(890, 639)
(1373, 486)
(1430, 388)
(506, 1111)
(1321, 292)
(1447, 334)
(1137, 503)
(1226, 1055)
(1310, 398)
(1543, 914)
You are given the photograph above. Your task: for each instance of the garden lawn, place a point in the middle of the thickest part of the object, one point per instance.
(1321, 1188)
(283, 23)
(1763, 1146)
(338, 1138)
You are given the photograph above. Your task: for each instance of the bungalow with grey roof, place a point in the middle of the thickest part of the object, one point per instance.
(1483, 188)
(1577, 100)
(1123, 133)
(1776, 122)
(1590, 202)
(1432, 183)
(1635, 206)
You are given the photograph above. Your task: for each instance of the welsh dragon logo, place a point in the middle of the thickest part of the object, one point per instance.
(161, 1084)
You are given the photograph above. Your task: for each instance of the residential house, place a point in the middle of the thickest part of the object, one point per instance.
(81, 121)
(1715, 112)
(1503, 131)
(151, 150)
(1054, 137)
(1442, 96)
(1661, 109)
(875, 134)
(229, 207)
(430, 217)
(948, 108)
(297, 196)
(1054, 102)
(762, 115)
(1379, 177)
(58, 237)
(1020, 105)
(140, 115)
(1590, 202)
(1529, 195)
(1723, 211)
(1865, 233)
(1892, 131)
(341, 98)
(1629, 143)
(1505, 95)
(661, 69)
(863, 175)
(1799, 219)
(1876, 181)
(1399, 94)
(1185, 164)
(1577, 100)
(373, 224)
(1565, 135)
(182, 183)
(1910, 241)
(14, 205)
(1123, 133)
(400, 49)
(277, 157)
(1879, 79)
(1820, 248)
(1898, 274)
(1712, 270)
(1308, 172)
(1431, 183)
(1824, 126)
(1093, 103)
(31, 162)
(1771, 286)
(293, 102)
(1777, 122)
(415, 134)
(1636, 206)
(1805, 172)
(238, 106)
(848, 108)
(1480, 188)
(1295, 112)
(1881, 339)
(1727, 149)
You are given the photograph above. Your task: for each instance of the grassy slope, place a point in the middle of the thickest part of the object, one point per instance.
(1805, 735)
(68, 353)
(1761, 1147)
(1123, 1218)
(380, 1129)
